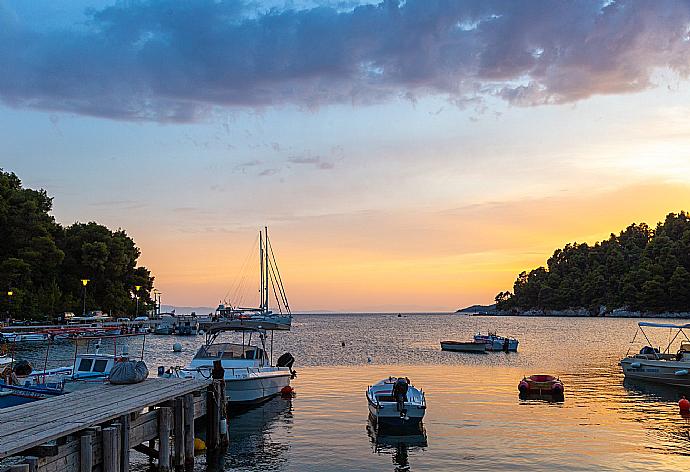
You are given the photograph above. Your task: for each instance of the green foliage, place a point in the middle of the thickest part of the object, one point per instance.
(42, 263)
(640, 269)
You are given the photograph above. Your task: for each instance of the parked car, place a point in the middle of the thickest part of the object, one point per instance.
(141, 318)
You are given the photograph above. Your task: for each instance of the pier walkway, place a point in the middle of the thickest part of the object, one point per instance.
(95, 428)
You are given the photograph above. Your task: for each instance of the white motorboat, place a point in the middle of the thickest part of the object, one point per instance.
(385, 411)
(654, 365)
(497, 343)
(249, 373)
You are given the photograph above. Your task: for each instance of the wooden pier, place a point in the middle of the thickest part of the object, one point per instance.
(94, 429)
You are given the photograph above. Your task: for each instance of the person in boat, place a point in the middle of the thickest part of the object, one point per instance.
(400, 393)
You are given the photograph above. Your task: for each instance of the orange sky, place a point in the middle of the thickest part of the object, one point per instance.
(416, 260)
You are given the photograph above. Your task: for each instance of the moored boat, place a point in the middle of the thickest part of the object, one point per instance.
(660, 366)
(497, 343)
(249, 372)
(458, 346)
(541, 384)
(389, 408)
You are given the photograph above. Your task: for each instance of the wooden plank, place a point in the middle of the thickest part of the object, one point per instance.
(30, 431)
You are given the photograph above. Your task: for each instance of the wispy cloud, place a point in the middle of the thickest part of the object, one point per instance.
(175, 61)
(315, 161)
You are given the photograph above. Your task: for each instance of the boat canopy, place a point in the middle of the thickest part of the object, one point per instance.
(663, 325)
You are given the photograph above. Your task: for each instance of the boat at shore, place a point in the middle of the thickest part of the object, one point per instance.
(661, 366)
(19, 385)
(249, 372)
(386, 411)
(497, 343)
(459, 346)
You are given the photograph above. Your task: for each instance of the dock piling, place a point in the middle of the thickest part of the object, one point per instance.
(179, 431)
(86, 452)
(110, 449)
(124, 443)
(189, 430)
(164, 420)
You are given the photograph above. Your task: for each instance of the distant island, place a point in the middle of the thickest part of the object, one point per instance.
(639, 272)
(480, 309)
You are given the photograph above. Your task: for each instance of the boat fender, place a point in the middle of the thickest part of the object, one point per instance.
(287, 391)
(199, 445)
(684, 405)
(681, 372)
(23, 368)
(635, 365)
(557, 388)
(523, 386)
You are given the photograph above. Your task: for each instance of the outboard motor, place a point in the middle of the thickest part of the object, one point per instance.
(23, 368)
(287, 360)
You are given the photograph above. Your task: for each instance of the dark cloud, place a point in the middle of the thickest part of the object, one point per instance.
(174, 61)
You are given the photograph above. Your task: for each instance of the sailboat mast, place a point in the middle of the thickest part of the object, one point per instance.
(261, 264)
(266, 270)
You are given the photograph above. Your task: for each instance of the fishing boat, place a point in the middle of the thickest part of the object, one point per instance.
(458, 346)
(497, 343)
(657, 365)
(385, 411)
(250, 375)
(92, 366)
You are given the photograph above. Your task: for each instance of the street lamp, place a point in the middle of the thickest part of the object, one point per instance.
(84, 282)
(9, 308)
(137, 288)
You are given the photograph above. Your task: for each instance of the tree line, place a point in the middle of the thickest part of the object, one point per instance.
(42, 263)
(640, 269)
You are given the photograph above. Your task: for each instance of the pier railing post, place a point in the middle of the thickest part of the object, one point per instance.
(86, 452)
(189, 430)
(164, 420)
(179, 431)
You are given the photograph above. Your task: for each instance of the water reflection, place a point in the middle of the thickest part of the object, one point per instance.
(252, 444)
(648, 391)
(397, 443)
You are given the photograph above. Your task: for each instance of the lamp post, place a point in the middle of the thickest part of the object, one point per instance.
(84, 282)
(155, 302)
(137, 288)
(9, 308)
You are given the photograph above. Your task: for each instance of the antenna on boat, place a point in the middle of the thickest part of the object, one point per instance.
(266, 269)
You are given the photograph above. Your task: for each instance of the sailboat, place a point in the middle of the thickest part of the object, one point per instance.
(269, 279)
(249, 373)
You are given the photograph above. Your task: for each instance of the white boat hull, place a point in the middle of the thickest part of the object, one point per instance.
(660, 371)
(245, 386)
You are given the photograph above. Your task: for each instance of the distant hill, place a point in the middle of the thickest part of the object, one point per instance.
(478, 309)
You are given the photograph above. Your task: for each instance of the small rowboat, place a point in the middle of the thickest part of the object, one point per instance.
(541, 385)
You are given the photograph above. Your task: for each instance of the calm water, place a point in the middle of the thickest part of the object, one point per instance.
(475, 420)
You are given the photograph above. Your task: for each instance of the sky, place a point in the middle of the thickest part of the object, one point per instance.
(406, 155)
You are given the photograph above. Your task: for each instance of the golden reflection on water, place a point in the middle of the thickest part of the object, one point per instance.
(475, 419)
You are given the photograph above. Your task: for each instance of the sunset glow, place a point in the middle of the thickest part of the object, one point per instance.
(402, 182)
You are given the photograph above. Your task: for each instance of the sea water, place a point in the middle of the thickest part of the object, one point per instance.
(474, 420)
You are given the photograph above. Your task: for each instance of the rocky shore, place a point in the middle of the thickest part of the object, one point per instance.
(583, 312)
